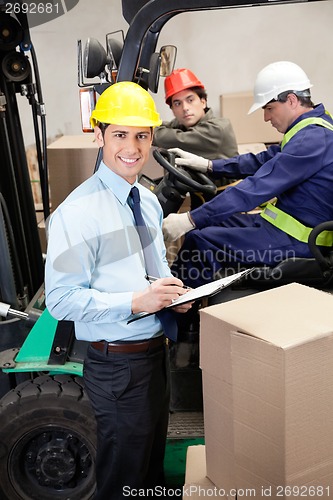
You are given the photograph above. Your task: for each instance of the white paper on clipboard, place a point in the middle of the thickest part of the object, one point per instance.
(207, 289)
(198, 293)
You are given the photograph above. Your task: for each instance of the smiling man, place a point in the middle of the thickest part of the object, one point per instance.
(96, 275)
(299, 173)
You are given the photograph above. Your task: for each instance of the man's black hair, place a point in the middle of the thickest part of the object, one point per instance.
(304, 97)
(201, 93)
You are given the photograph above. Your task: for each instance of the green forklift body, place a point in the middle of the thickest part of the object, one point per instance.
(34, 354)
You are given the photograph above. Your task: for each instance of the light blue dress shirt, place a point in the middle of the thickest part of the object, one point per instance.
(95, 261)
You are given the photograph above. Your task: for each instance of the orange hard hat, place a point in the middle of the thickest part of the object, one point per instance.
(180, 79)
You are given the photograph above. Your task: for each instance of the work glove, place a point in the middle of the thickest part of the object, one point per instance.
(176, 225)
(190, 160)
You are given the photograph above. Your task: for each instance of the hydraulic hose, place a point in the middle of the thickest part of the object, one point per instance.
(41, 154)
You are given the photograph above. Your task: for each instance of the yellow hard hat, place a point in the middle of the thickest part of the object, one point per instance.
(126, 103)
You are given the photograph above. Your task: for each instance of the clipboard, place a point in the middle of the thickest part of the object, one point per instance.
(200, 292)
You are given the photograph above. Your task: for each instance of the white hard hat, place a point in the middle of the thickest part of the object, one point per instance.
(276, 78)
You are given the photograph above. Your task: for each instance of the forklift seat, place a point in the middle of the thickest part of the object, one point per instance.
(316, 271)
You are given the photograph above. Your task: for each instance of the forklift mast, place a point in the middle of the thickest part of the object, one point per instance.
(21, 267)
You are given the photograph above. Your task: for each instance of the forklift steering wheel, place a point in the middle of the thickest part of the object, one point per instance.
(182, 178)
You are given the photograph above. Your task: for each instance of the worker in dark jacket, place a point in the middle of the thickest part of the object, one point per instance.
(299, 173)
(194, 128)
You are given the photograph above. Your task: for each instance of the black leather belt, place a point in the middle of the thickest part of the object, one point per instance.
(129, 347)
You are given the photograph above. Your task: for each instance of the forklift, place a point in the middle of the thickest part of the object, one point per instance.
(47, 428)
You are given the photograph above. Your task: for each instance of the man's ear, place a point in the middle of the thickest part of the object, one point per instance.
(293, 100)
(99, 137)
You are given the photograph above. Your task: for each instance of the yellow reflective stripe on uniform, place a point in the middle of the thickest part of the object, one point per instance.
(304, 123)
(293, 227)
(284, 221)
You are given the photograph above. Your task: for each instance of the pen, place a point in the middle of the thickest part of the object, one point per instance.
(151, 279)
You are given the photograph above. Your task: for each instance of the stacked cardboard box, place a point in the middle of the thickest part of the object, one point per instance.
(268, 393)
(248, 128)
(197, 484)
(254, 148)
(41, 229)
(71, 160)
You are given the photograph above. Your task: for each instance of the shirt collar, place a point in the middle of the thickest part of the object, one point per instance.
(119, 186)
(318, 110)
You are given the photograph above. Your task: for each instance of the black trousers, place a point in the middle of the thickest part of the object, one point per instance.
(130, 396)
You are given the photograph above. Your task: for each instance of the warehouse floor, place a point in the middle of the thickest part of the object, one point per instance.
(185, 429)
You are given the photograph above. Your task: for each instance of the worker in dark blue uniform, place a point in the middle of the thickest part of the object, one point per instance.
(298, 174)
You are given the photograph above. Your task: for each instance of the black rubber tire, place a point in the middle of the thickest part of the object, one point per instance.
(47, 441)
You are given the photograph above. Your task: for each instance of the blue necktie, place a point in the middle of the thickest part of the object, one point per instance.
(165, 316)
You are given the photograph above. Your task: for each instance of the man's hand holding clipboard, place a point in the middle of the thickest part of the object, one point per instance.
(202, 291)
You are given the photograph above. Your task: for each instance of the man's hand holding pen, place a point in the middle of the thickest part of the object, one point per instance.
(152, 279)
(161, 293)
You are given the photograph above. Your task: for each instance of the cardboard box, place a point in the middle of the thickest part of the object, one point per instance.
(255, 148)
(268, 393)
(33, 167)
(197, 484)
(41, 226)
(72, 159)
(42, 235)
(248, 128)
